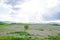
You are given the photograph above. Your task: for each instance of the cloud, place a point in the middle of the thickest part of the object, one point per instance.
(32, 10)
(13, 2)
(39, 10)
(53, 14)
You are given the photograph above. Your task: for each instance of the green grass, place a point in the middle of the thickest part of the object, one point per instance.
(54, 37)
(2, 27)
(28, 38)
(27, 35)
(17, 38)
(21, 33)
(10, 38)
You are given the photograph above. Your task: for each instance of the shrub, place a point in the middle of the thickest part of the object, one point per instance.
(21, 33)
(26, 26)
(54, 37)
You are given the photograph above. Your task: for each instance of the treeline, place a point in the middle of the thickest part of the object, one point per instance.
(3, 23)
(11, 23)
(56, 24)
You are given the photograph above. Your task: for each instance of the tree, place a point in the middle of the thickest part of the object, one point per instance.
(26, 26)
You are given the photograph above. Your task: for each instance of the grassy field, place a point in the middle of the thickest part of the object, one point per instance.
(29, 32)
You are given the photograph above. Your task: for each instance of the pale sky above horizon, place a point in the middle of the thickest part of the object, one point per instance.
(29, 11)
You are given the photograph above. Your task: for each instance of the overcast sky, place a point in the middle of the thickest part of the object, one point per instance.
(27, 11)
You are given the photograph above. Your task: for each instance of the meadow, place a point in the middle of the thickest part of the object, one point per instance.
(20, 31)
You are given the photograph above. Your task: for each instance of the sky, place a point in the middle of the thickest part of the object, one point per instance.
(30, 11)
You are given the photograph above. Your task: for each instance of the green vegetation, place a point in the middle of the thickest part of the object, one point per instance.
(26, 26)
(28, 38)
(3, 23)
(54, 37)
(55, 24)
(21, 33)
(2, 27)
(17, 38)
